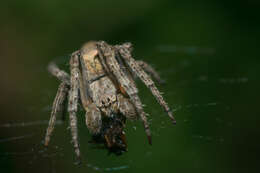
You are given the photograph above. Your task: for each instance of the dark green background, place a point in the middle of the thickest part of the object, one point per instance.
(207, 51)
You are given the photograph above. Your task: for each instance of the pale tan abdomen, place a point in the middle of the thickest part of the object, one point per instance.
(92, 64)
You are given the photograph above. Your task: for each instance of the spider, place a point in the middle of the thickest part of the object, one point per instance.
(102, 80)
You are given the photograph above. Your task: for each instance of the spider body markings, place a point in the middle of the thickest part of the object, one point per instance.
(102, 79)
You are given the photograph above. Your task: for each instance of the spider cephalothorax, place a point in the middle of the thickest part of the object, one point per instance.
(102, 79)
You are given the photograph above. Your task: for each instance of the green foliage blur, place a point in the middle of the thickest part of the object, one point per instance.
(207, 51)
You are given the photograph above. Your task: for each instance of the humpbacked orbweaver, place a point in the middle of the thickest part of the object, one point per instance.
(102, 79)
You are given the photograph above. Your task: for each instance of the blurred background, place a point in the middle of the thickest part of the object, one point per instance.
(207, 51)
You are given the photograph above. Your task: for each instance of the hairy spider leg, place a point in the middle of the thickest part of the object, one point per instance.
(73, 101)
(134, 66)
(59, 99)
(126, 84)
(126, 107)
(150, 70)
(93, 115)
(60, 74)
(57, 107)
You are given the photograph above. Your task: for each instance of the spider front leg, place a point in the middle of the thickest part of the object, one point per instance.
(126, 84)
(57, 107)
(150, 70)
(59, 99)
(93, 114)
(60, 74)
(93, 119)
(73, 101)
(126, 107)
(134, 66)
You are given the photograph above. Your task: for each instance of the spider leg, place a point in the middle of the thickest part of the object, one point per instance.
(126, 107)
(93, 119)
(57, 107)
(60, 74)
(59, 99)
(83, 93)
(135, 67)
(150, 70)
(127, 85)
(93, 114)
(73, 101)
